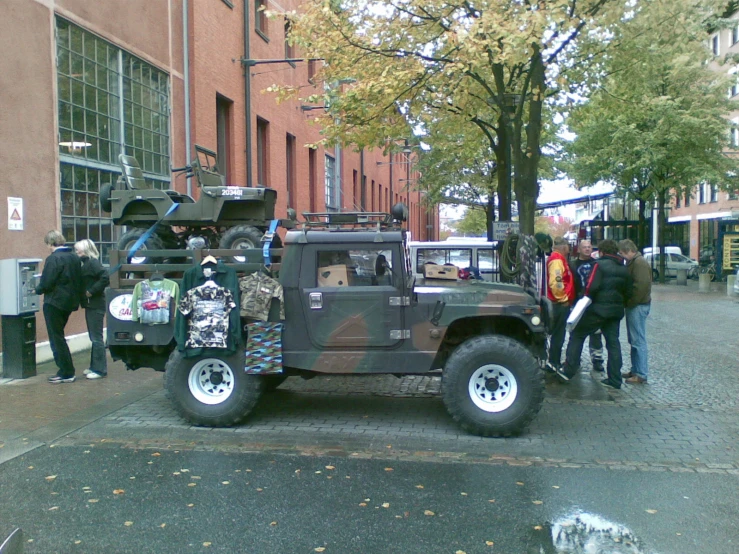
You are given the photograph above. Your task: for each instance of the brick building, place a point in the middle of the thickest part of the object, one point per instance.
(696, 217)
(81, 82)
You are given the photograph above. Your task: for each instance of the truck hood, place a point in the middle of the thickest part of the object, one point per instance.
(471, 293)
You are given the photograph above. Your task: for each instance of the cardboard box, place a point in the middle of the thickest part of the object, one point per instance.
(436, 271)
(333, 276)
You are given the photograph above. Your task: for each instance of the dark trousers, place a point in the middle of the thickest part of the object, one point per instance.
(557, 331)
(586, 327)
(95, 319)
(56, 320)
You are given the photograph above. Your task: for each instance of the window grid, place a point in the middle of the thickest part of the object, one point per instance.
(80, 201)
(91, 74)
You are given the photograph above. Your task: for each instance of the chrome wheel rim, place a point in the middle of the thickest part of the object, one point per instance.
(211, 381)
(493, 388)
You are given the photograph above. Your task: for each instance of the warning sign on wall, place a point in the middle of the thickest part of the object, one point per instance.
(15, 214)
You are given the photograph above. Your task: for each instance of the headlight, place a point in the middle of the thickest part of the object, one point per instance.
(138, 337)
(536, 320)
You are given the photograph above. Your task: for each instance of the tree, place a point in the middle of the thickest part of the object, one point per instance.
(659, 122)
(490, 63)
(473, 223)
(459, 169)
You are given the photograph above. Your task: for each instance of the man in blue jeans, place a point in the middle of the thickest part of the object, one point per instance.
(637, 311)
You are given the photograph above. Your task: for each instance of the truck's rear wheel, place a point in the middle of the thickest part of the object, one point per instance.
(212, 391)
(492, 386)
(129, 238)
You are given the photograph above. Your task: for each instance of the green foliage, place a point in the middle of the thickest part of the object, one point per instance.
(417, 62)
(659, 121)
(474, 223)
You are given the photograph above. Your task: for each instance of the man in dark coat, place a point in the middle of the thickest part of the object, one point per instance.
(60, 283)
(608, 287)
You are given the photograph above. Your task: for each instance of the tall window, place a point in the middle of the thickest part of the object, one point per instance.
(262, 152)
(312, 179)
(715, 45)
(714, 193)
(260, 18)
(223, 135)
(289, 48)
(735, 35)
(701, 194)
(311, 70)
(687, 199)
(332, 196)
(677, 199)
(290, 168)
(110, 102)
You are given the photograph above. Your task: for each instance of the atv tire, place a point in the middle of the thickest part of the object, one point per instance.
(105, 204)
(492, 386)
(241, 237)
(212, 391)
(129, 239)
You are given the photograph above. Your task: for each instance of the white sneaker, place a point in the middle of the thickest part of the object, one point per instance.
(93, 375)
(87, 371)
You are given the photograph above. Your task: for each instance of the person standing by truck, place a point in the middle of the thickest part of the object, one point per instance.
(581, 268)
(60, 284)
(561, 293)
(94, 280)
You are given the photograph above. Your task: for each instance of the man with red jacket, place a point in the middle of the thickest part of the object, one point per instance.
(561, 294)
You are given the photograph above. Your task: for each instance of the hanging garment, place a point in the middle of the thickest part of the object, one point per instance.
(150, 302)
(207, 308)
(257, 291)
(264, 348)
(225, 277)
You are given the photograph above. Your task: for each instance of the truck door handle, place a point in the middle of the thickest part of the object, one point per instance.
(316, 300)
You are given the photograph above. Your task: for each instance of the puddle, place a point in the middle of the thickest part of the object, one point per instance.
(585, 533)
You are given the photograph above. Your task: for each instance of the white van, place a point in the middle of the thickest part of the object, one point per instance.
(668, 250)
(460, 252)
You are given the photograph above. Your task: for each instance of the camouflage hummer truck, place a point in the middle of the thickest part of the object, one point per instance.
(353, 306)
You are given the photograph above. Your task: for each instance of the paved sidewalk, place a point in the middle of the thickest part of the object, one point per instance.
(686, 419)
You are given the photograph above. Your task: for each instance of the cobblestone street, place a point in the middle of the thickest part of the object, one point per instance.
(686, 419)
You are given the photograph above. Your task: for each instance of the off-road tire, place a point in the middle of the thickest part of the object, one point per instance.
(513, 368)
(152, 243)
(105, 204)
(241, 236)
(227, 403)
(271, 382)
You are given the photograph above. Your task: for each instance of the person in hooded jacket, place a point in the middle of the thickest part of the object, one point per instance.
(609, 288)
(94, 280)
(60, 283)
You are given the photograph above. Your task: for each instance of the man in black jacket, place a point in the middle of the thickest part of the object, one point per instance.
(581, 268)
(60, 283)
(608, 287)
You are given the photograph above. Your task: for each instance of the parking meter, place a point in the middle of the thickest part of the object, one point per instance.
(18, 306)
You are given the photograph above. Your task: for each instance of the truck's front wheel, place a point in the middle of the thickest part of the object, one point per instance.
(492, 386)
(212, 391)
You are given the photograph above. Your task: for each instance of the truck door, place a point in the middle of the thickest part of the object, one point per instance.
(355, 298)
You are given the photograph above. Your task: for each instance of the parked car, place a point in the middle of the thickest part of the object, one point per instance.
(673, 262)
(461, 252)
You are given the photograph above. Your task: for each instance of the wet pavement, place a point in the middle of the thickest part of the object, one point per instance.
(100, 498)
(625, 461)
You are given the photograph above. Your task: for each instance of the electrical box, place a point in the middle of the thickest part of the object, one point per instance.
(18, 280)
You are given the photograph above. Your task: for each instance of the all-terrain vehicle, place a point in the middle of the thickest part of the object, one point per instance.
(353, 306)
(223, 216)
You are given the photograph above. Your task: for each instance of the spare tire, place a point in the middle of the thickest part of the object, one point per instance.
(105, 203)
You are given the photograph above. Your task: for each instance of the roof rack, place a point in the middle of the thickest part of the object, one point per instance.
(350, 220)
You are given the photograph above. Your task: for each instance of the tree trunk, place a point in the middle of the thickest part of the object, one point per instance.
(503, 161)
(490, 215)
(642, 230)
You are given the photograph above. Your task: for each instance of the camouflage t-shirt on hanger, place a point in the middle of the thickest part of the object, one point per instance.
(208, 307)
(257, 292)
